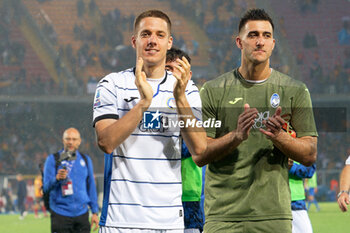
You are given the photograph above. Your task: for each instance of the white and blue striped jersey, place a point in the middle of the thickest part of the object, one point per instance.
(143, 175)
(347, 162)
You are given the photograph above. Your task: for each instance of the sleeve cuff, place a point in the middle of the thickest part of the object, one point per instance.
(293, 169)
(347, 162)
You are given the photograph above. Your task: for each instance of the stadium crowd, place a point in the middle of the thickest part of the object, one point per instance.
(102, 48)
(22, 144)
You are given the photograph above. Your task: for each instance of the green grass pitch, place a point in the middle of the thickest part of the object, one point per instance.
(329, 220)
(12, 224)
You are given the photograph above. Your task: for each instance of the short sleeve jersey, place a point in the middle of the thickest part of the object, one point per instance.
(251, 183)
(143, 175)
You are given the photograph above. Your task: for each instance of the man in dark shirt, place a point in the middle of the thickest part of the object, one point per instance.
(21, 195)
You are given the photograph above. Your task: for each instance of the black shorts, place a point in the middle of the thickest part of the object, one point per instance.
(64, 224)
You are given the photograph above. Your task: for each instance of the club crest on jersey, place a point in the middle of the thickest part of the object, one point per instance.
(275, 100)
(171, 103)
(97, 99)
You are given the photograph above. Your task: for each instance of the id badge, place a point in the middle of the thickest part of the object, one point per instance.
(67, 188)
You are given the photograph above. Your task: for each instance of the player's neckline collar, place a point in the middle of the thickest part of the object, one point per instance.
(164, 78)
(253, 81)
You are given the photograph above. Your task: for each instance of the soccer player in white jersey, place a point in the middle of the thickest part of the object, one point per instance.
(139, 117)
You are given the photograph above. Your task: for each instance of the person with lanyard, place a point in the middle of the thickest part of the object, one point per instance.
(69, 179)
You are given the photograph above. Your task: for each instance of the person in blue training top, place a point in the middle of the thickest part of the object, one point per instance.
(190, 172)
(311, 185)
(297, 172)
(72, 187)
(191, 199)
(202, 195)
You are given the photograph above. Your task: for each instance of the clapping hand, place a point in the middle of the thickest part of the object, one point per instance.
(145, 89)
(185, 69)
(273, 124)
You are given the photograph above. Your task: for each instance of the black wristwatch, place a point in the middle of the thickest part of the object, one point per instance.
(341, 192)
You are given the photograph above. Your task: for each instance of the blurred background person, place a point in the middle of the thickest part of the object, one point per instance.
(7, 194)
(21, 195)
(68, 176)
(191, 174)
(38, 195)
(297, 172)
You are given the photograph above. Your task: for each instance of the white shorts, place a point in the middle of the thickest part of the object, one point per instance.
(104, 229)
(301, 222)
(192, 230)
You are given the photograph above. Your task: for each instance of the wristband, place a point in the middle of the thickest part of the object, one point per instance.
(341, 192)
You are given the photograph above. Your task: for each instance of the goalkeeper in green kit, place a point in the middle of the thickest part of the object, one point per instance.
(246, 182)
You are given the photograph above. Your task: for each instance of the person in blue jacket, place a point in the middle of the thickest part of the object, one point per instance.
(69, 178)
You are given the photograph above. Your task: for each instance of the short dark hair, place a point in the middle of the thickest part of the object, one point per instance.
(254, 14)
(174, 53)
(155, 14)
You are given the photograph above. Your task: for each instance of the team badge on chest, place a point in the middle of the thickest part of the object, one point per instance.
(275, 100)
(171, 103)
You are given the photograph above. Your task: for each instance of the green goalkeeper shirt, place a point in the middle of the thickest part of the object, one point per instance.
(251, 183)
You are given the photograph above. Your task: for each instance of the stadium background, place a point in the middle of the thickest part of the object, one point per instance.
(53, 52)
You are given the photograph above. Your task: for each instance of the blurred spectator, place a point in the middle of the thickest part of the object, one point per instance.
(344, 33)
(30, 195)
(316, 73)
(38, 193)
(79, 32)
(347, 58)
(91, 85)
(179, 42)
(195, 48)
(308, 5)
(7, 193)
(334, 189)
(58, 65)
(300, 58)
(92, 7)
(338, 79)
(80, 8)
(50, 32)
(309, 40)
